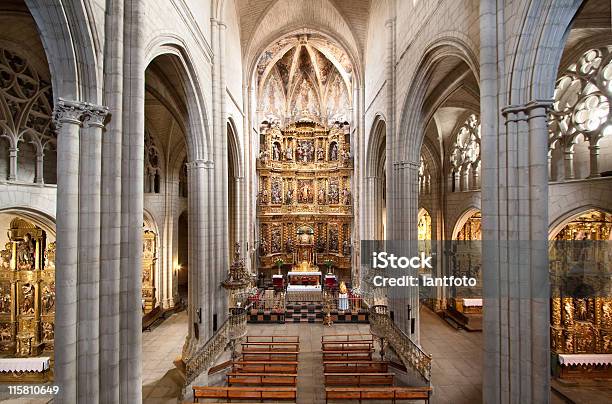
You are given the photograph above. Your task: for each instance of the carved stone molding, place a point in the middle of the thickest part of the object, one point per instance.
(200, 163)
(78, 112)
(94, 115)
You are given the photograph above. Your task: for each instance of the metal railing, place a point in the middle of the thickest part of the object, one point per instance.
(234, 327)
(410, 353)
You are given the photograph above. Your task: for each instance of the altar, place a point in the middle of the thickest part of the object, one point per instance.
(304, 281)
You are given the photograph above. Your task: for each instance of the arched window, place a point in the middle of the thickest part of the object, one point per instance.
(465, 156)
(581, 113)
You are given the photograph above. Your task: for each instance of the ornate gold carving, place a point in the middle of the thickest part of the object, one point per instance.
(149, 262)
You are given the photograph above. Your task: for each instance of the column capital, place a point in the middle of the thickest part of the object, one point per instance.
(524, 112)
(200, 163)
(415, 165)
(67, 111)
(94, 115)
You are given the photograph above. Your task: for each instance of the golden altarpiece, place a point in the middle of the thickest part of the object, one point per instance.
(305, 211)
(581, 304)
(27, 292)
(149, 265)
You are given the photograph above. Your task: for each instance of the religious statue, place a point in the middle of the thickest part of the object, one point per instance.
(346, 157)
(289, 197)
(321, 196)
(6, 332)
(263, 196)
(276, 151)
(289, 245)
(48, 299)
(289, 153)
(47, 331)
(333, 153)
(320, 154)
(276, 193)
(27, 303)
(264, 156)
(346, 248)
(333, 239)
(263, 247)
(333, 194)
(346, 196)
(320, 245)
(275, 244)
(581, 309)
(25, 254)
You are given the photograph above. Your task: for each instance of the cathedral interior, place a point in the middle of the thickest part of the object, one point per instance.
(189, 192)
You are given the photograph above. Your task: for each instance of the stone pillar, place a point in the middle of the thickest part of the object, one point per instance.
(40, 167)
(90, 174)
(475, 185)
(199, 173)
(68, 120)
(594, 157)
(110, 207)
(568, 155)
(13, 163)
(132, 201)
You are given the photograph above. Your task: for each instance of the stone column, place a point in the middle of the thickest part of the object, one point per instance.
(594, 157)
(13, 163)
(475, 185)
(568, 155)
(132, 201)
(40, 167)
(90, 174)
(68, 120)
(110, 207)
(199, 174)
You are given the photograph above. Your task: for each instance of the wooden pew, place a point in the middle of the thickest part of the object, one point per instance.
(346, 345)
(262, 379)
(377, 393)
(352, 355)
(359, 379)
(270, 356)
(245, 393)
(347, 337)
(270, 346)
(355, 367)
(273, 338)
(264, 367)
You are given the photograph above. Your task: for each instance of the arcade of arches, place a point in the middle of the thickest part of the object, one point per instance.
(211, 169)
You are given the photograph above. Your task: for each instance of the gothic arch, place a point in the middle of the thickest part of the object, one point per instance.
(235, 147)
(70, 48)
(537, 54)
(559, 223)
(34, 215)
(410, 131)
(198, 131)
(462, 219)
(376, 152)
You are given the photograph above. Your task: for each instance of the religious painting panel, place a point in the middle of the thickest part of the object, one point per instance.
(333, 238)
(305, 191)
(276, 239)
(277, 191)
(305, 151)
(333, 196)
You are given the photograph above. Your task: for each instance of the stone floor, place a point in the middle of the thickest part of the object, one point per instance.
(456, 370)
(160, 347)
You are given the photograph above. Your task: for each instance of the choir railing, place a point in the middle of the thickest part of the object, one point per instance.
(410, 353)
(232, 329)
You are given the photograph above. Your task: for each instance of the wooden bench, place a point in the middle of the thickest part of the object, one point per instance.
(359, 379)
(354, 355)
(245, 393)
(377, 393)
(268, 356)
(264, 367)
(262, 379)
(270, 346)
(346, 345)
(273, 338)
(355, 367)
(347, 337)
